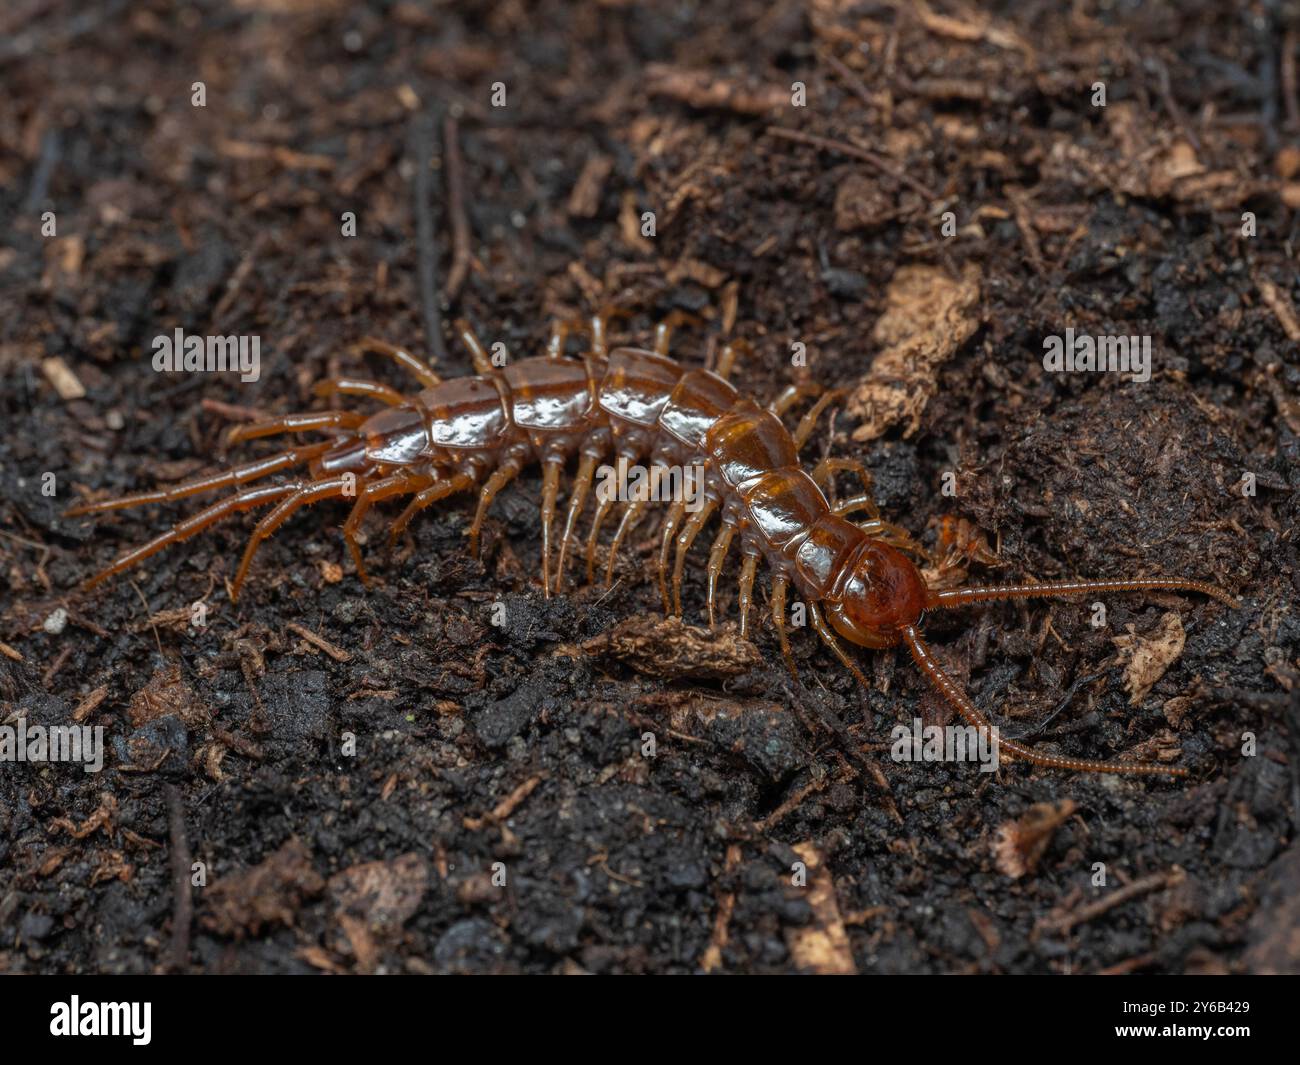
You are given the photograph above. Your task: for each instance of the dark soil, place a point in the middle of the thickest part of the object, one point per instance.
(522, 743)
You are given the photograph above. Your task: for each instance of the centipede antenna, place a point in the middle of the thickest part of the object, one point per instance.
(959, 597)
(961, 702)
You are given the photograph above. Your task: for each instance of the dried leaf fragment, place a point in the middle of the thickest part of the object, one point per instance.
(268, 894)
(1148, 657)
(928, 317)
(167, 693)
(1021, 844)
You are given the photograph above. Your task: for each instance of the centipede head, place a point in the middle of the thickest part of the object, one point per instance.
(882, 595)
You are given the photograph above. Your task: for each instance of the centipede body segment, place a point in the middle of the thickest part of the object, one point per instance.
(478, 433)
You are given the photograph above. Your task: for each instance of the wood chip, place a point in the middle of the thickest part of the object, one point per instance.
(319, 642)
(823, 946)
(505, 807)
(373, 900)
(703, 90)
(667, 647)
(90, 704)
(1280, 304)
(65, 382)
(266, 895)
(584, 200)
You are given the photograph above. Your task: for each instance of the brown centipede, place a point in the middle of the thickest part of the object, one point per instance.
(479, 432)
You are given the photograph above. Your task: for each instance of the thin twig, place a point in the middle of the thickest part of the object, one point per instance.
(38, 190)
(183, 902)
(851, 81)
(460, 235)
(1064, 923)
(149, 614)
(1171, 105)
(1290, 97)
(422, 135)
(855, 152)
(318, 641)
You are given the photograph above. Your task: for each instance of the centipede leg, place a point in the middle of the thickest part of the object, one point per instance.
(828, 638)
(577, 500)
(823, 476)
(809, 421)
(792, 394)
(727, 357)
(853, 504)
(663, 334)
(600, 330)
(352, 386)
(410, 363)
(440, 489)
(959, 543)
(559, 334)
(717, 555)
(603, 506)
(664, 330)
(747, 573)
(297, 423)
(550, 492)
(779, 586)
(894, 535)
(242, 474)
(398, 484)
(193, 525)
(502, 476)
(971, 714)
(482, 361)
(674, 518)
(303, 494)
(684, 541)
(631, 515)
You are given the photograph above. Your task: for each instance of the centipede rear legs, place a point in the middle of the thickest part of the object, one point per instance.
(404, 482)
(292, 495)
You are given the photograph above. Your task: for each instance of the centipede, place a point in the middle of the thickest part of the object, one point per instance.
(860, 579)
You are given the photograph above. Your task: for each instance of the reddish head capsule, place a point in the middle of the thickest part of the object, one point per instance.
(881, 594)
